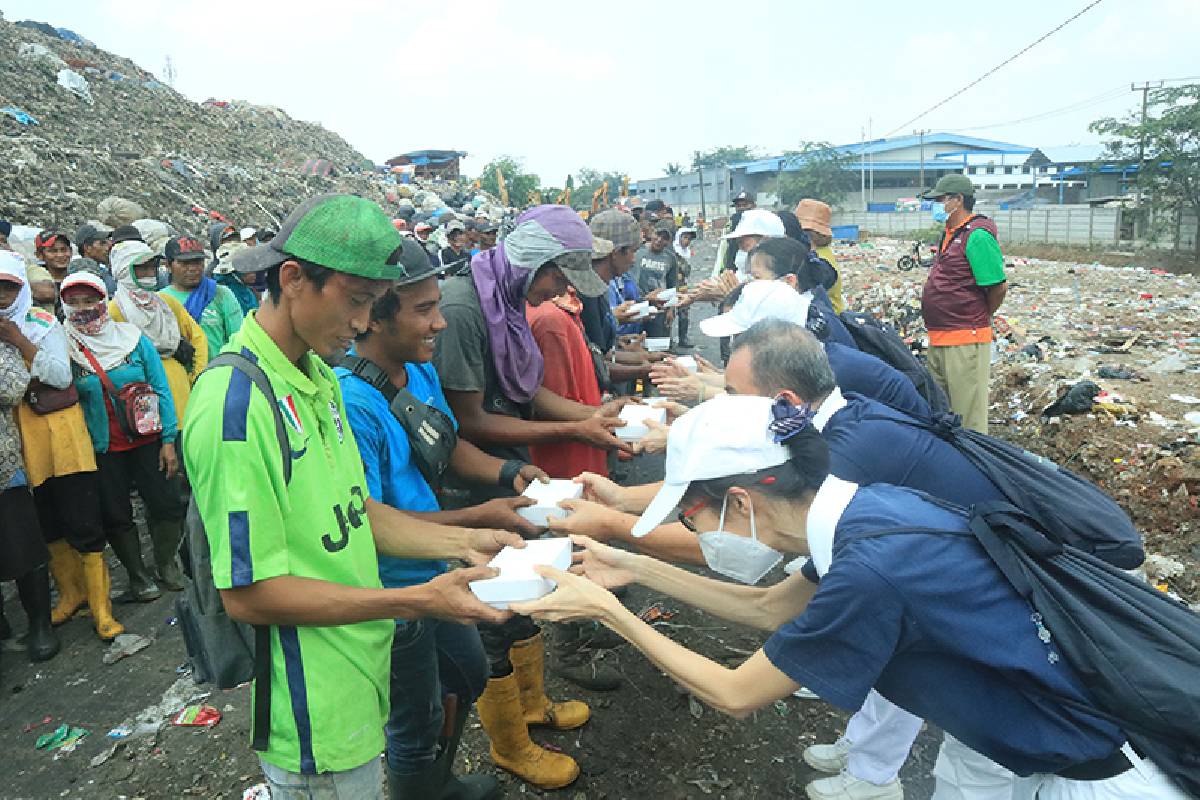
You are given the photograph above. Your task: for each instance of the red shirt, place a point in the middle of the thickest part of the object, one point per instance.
(569, 373)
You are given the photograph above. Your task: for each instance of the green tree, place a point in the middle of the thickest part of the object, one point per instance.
(721, 156)
(518, 182)
(1168, 146)
(588, 180)
(816, 170)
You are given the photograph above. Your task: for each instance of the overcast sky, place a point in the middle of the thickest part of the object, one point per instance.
(630, 85)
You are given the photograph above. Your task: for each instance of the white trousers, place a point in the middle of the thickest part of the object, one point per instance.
(962, 774)
(880, 735)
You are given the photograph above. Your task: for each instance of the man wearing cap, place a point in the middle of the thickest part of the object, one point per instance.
(295, 547)
(53, 250)
(656, 268)
(488, 231)
(455, 257)
(422, 231)
(431, 659)
(816, 220)
(94, 244)
(214, 306)
(616, 235)
(492, 372)
(965, 287)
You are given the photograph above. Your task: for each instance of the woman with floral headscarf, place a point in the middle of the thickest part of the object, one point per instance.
(57, 456)
(179, 339)
(127, 459)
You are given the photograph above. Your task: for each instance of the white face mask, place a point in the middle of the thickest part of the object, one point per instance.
(744, 559)
(740, 261)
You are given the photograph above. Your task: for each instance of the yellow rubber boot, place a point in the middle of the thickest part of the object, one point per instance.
(512, 749)
(529, 665)
(95, 573)
(67, 569)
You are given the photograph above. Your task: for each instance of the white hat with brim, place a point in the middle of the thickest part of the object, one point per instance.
(725, 436)
(757, 222)
(759, 300)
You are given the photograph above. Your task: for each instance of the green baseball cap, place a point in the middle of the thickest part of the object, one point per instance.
(951, 184)
(341, 232)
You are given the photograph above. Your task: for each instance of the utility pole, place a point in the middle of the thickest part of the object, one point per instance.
(871, 137)
(921, 133)
(703, 207)
(862, 168)
(1137, 178)
(169, 73)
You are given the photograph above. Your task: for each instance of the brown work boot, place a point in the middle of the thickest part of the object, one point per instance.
(529, 665)
(503, 720)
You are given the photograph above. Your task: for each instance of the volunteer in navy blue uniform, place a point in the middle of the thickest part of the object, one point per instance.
(856, 371)
(749, 475)
(868, 443)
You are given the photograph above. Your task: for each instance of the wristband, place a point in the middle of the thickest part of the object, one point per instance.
(509, 471)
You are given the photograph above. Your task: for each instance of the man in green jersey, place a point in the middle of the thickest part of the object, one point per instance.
(212, 305)
(300, 555)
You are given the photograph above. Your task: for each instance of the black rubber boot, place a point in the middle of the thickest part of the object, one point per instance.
(142, 588)
(468, 787)
(5, 628)
(41, 641)
(417, 786)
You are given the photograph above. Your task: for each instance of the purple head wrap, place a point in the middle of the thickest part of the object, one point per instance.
(502, 275)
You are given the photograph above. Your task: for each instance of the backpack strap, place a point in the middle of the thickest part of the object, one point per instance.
(262, 633)
(370, 372)
(259, 378)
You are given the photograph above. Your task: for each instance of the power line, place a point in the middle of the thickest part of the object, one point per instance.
(994, 69)
(1104, 97)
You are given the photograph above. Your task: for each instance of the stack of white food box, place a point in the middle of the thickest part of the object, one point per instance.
(658, 344)
(546, 497)
(670, 297)
(517, 582)
(643, 310)
(688, 363)
(634, 417)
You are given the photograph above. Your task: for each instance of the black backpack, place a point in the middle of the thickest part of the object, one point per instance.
(1077, 511)
(1135, 649)
(882, 341)
(221, 650)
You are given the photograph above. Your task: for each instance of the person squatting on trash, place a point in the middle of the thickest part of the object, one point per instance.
(332, 623)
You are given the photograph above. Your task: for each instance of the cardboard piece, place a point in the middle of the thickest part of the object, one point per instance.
(688, 363)
(658, 344)
(546, 497)
(635, 417)
(517, 582)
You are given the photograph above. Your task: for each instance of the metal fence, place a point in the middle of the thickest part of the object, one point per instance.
(1079, 226)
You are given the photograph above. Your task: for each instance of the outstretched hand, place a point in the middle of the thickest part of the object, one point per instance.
(575, 598)
(610, 567)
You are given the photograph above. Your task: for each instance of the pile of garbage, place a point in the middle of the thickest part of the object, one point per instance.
(1096, 367)
(79, 124)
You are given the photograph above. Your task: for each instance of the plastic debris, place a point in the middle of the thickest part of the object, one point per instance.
(1078, 399)
(1185, 398)
(258, 791)
(197, 716)
(76, 84)
(1173, 362)
(120, 732)
(126, 644)
(61, 737)
(22, 117)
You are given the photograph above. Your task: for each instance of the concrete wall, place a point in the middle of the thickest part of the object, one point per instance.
(1080, 226)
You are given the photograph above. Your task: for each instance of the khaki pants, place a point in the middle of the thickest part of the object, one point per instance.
(964, 372)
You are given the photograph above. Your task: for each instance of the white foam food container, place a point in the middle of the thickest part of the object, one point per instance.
(546, 497)
(658, 344)
(688, 363)
(634, 417)
(517, 582)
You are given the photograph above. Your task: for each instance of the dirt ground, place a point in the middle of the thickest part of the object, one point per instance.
(648, 739)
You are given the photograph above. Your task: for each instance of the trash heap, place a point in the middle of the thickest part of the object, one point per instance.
(79, 124)
(1133, 333)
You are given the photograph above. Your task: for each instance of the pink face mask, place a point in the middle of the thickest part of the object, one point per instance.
(89, 321)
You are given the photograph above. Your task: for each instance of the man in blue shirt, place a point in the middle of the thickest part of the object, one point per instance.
(432, 660)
